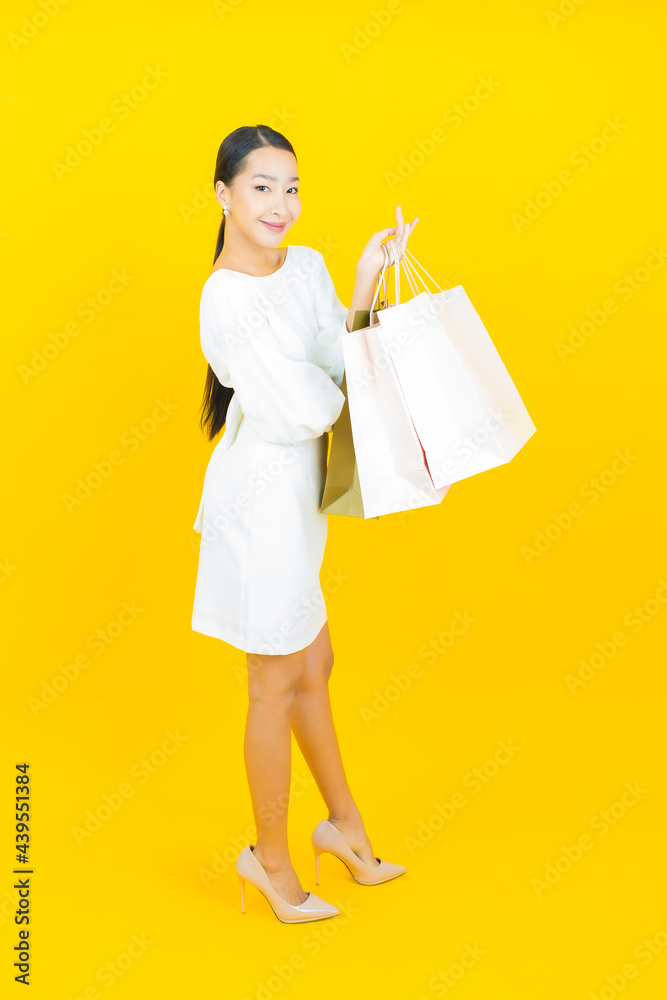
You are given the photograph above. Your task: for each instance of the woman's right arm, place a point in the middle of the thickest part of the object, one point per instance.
(364, 287)
(371, 261)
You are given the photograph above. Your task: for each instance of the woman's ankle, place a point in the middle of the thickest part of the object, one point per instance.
(351, 820)
(272, 861)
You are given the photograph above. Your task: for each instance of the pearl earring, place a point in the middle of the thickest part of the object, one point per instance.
(225, 211)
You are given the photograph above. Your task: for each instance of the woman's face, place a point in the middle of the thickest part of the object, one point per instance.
(256, 201)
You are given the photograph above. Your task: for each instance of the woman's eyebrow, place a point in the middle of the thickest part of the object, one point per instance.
(269, 177)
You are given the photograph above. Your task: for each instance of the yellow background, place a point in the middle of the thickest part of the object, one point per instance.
(354, 100)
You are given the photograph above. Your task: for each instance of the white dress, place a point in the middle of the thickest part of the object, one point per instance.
(277, 340)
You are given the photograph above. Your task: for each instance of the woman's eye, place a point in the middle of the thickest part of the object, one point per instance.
(258, 186)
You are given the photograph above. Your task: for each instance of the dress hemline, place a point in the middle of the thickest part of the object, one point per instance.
(214, 630)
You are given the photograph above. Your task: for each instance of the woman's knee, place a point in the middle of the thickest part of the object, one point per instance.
(276, 679)
(319, 659)
(318, 669)
(327, 663)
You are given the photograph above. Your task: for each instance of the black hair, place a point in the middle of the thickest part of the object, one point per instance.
(229, 163)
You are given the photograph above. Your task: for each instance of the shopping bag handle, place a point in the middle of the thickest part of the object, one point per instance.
(407, 271)
(416, 276)
(381, 281)
(397, 279)
(412, 275)
(397, 274)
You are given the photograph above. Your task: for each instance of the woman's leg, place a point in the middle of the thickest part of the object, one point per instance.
(313, 726)
(273, 682)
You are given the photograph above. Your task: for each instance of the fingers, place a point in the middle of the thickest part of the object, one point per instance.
(400, 222)
(400, 233)
(403, 230)
(409, 229)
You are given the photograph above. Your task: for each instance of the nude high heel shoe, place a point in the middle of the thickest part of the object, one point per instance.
(327, 838)
(249, 869)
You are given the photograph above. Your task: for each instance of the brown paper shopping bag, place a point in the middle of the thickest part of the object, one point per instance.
(342, 493)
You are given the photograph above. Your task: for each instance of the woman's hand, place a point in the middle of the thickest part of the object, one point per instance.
(373, 256)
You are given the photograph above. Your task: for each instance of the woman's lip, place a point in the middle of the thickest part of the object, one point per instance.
(273, 225)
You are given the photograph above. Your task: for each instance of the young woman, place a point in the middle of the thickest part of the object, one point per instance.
(271, 327)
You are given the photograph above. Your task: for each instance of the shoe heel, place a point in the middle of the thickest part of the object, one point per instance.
(327, 839)
(249, 869)
(317, 852)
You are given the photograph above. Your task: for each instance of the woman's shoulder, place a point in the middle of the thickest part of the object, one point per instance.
(304, 260)
(304, 251)
(220, 274)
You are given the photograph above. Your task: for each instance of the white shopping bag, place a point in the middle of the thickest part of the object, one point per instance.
(391, 465)
(466, 409)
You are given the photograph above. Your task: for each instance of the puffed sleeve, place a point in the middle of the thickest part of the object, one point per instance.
(331, 321)
(284, 400)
